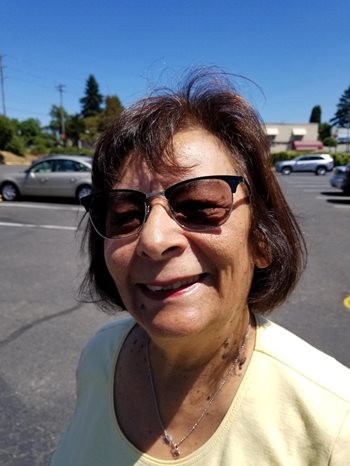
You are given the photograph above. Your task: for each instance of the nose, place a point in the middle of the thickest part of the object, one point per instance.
(161, 237)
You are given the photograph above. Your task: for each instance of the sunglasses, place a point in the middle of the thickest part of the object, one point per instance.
(197, 204)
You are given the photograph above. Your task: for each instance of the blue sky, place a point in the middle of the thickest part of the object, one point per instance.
(297, 52)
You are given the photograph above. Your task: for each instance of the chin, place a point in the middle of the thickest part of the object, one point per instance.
(173, 326)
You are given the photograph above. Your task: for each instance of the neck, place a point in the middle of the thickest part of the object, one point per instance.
(233, 356)
(186, 358)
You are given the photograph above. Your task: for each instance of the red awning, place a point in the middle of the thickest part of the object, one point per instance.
(307, 145)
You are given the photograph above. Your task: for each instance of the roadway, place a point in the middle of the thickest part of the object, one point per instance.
(44, 327)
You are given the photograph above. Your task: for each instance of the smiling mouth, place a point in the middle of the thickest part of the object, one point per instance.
(175, 286)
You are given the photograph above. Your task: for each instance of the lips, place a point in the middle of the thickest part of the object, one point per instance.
(163, 290)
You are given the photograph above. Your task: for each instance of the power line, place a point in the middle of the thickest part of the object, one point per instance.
(2, 86)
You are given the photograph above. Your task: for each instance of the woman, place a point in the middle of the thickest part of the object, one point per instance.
(191, 234)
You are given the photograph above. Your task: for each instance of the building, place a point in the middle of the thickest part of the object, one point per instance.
(293, 136)
(341, 135)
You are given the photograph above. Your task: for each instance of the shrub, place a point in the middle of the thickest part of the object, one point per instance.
(6, 132)
(43, 140)
(16, 145)
(285, 155)
(330, 142)
(71, 150)
(341, 159)
(39, 149)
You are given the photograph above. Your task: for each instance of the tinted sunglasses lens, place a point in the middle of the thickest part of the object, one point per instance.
(201, 204)
(118, 214)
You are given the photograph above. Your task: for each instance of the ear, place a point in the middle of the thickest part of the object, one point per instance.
(262, 261)
(261, 250)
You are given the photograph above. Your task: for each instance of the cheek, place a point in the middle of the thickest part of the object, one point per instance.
(238, 261)
(228, 257)
(232, 246)
(236, 275)
(235, 259)
(117, 262)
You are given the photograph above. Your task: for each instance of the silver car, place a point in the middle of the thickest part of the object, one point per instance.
(54, 175)
(341, 178)
(320, 164)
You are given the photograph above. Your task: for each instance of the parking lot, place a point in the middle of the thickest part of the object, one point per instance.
(44, 327)
(316, 310)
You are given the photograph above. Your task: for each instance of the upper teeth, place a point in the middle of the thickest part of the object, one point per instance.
(174, 285)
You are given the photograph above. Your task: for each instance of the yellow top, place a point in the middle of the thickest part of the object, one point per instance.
(292, 408)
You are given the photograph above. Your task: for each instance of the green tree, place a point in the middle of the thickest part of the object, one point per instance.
(341, 118)
(56, 114)
(315, 116)
(16, 145)
(330, 142)
(75, 127)
(92, 130)
(29, 129)
(7, 131)
(92, 101)
(113, 108)
(324, 131)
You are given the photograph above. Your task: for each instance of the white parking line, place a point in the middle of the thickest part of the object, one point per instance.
(342, 206)
(312, 190)
(334, 198)
(40, 206)
(311, 185)
(30, 225)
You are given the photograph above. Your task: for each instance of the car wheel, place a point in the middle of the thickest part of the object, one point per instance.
(9, 191)
(286, 170)
(320, 171)
(83, 191)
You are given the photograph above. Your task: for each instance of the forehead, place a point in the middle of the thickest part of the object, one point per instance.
(196, 151)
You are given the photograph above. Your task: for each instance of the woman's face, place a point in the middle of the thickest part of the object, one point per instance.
(176, 282)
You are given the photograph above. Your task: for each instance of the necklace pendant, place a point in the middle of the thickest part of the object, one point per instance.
(175, 451)
(167, 438)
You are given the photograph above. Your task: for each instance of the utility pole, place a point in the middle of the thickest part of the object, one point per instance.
(60, 89)
(2, 86)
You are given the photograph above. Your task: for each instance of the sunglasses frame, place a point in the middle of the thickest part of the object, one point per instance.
(232, 180)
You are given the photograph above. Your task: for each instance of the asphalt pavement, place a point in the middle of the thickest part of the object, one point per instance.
(44, 327)
(316, 310)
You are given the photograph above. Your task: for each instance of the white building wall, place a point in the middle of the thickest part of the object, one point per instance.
(283, 135)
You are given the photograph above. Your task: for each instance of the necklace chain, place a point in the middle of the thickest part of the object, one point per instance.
(167, 438)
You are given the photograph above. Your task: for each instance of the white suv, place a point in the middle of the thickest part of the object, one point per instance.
(320, 164)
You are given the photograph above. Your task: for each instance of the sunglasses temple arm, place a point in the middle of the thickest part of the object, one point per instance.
(247, 185)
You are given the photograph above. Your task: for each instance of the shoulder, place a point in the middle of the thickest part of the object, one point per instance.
(113, 330)
(302, 363)
(105, 345)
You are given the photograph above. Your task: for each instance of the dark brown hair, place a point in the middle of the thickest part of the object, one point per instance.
(207, 100)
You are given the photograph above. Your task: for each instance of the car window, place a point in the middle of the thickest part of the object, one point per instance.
(82, 168)
(316, 157)
(65, 166)
(43, 167)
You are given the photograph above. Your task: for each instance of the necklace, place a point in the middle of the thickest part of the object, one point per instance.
(167, 438)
